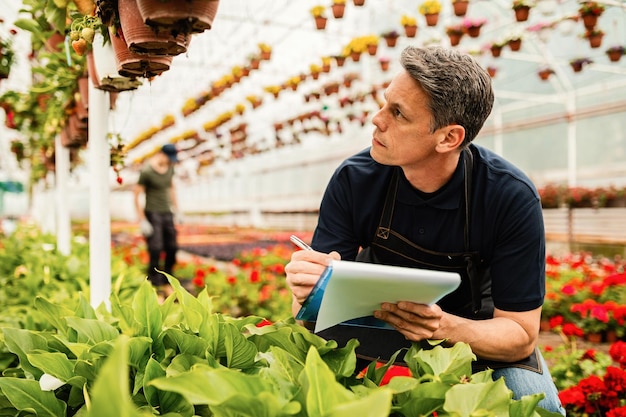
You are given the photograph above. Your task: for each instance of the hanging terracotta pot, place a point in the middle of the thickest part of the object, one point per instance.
(522, 13)
(320, 22)
(496, 50)
(432, 19)
(338, 10)
(102, 68)
(359, 2)
(614, 54)
(492, 71)
(179, 16)
(515, 44)
(595, 40)
(544, 74)
(460, 7)
(142, 39)
(384, 65)
(86, 7)
(410, 31)
(340, 60)
(391, 40)
(133, 65)
(473, 31)
(455, 38)
(590, 21)
(372, 49)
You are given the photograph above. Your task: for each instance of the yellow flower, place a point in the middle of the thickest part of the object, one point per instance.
(430, 7)
(318, 11)
(407, 20)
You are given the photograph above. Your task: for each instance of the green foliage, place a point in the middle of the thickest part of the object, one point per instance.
(181, 358)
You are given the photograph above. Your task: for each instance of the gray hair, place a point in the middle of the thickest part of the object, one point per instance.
(458, 88)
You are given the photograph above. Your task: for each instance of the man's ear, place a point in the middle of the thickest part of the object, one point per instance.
(452, 139)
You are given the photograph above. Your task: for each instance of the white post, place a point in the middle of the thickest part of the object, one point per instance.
(99, 210)
(61, 175)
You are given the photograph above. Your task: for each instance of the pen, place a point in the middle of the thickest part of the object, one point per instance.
(300, 243)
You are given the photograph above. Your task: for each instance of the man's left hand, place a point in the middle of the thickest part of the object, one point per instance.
(415, 321)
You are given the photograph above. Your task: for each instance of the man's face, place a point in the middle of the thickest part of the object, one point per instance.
(402, 136)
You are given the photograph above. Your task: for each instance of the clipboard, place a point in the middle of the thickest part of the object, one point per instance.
(348, 292)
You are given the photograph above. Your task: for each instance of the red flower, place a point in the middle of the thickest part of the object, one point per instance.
(570, 329)
(556, 321)
(589, 354)
(618, 353)
(254, 276)
(263, 323)
(232, 280)
(568, 290)
(617, 412)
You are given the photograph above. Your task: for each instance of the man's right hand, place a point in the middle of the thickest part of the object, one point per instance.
(146, 228)
(305, 269)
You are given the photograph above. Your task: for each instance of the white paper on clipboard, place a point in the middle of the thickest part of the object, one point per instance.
(356, 289)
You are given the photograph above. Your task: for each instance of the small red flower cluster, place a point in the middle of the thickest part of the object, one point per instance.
(600, 396)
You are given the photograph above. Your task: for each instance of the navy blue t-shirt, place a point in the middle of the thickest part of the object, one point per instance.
(506, 225)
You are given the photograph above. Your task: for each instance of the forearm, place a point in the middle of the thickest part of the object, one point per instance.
(500, 338)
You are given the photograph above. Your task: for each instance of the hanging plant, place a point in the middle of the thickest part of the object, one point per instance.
(338, 8)
(615, 53)
(522, 9)
(590, 11)
(579, 63)
(390, 37)
(431, 9)
(544, 73)
(410, 25)
(460, 7)
(319, 14)
(594, 36)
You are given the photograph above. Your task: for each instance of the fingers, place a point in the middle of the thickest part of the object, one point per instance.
(415, 321)
(304, 270)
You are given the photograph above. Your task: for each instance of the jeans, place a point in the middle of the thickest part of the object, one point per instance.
(525, 382)
(164, 239)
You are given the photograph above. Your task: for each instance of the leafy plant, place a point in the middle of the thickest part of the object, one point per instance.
(146, 358)
(7, 56)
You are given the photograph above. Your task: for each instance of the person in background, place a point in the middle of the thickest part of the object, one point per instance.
(157, 217)
(424, 196)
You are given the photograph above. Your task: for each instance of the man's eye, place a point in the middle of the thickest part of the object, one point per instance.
(396, 112)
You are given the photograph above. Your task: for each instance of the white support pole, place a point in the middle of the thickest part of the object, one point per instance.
(571, 140)
(61, 175)
(99, 210)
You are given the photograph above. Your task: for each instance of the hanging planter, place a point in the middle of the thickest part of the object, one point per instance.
(409, 23)
(102, 68)
(340, 60)
(338, 8)
(522, 10)
(496, 50)
(545, 73)
(460, 7)
(142, 39)
(515, 44)
(590, 11)
(594, 37)
(179, 16)
(491, 70)
(473, 26)
(615, 53)
(384, 64)
(579, 63)
(359, 2)
(430, 9)
(455, 33)
(391, 38)
(133, 65)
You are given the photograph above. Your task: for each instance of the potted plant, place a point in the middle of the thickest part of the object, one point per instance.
(590, 11)
(319, 14)
(459, 7)
(410, 25)
(545, 73)
(594, 36)
(431, 9)
(384, 63)
(390, 37)
(472, 26)
(522, 9)
(338, 8)
(615, 53)
(7, 57)
(265, 51)
(455, 33)
(496, 48)
(178, 16)
(578, 64)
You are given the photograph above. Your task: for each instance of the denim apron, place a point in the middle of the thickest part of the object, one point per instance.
(390, 248)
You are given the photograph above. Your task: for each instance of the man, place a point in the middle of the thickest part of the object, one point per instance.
(423, 196)
(156, 219)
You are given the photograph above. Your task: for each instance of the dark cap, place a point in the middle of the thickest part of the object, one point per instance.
(171, 151)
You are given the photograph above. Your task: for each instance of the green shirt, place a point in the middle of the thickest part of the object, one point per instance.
(157, 188)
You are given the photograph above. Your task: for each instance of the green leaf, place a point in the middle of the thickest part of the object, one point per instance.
(164, 401)
(186, 343)
(376, 404)
(466, 399)
(54, 313)
(56, 16)
(323, 392)
(449, 364)
(26, 395)
(92, 331)
(228, 390)
(84, 309)
(53, 363)
(146, 309)
(422, 399)
(21, 342)
(239, 351)
(110, 394)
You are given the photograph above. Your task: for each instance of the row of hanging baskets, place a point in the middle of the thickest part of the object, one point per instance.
(145, 36)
